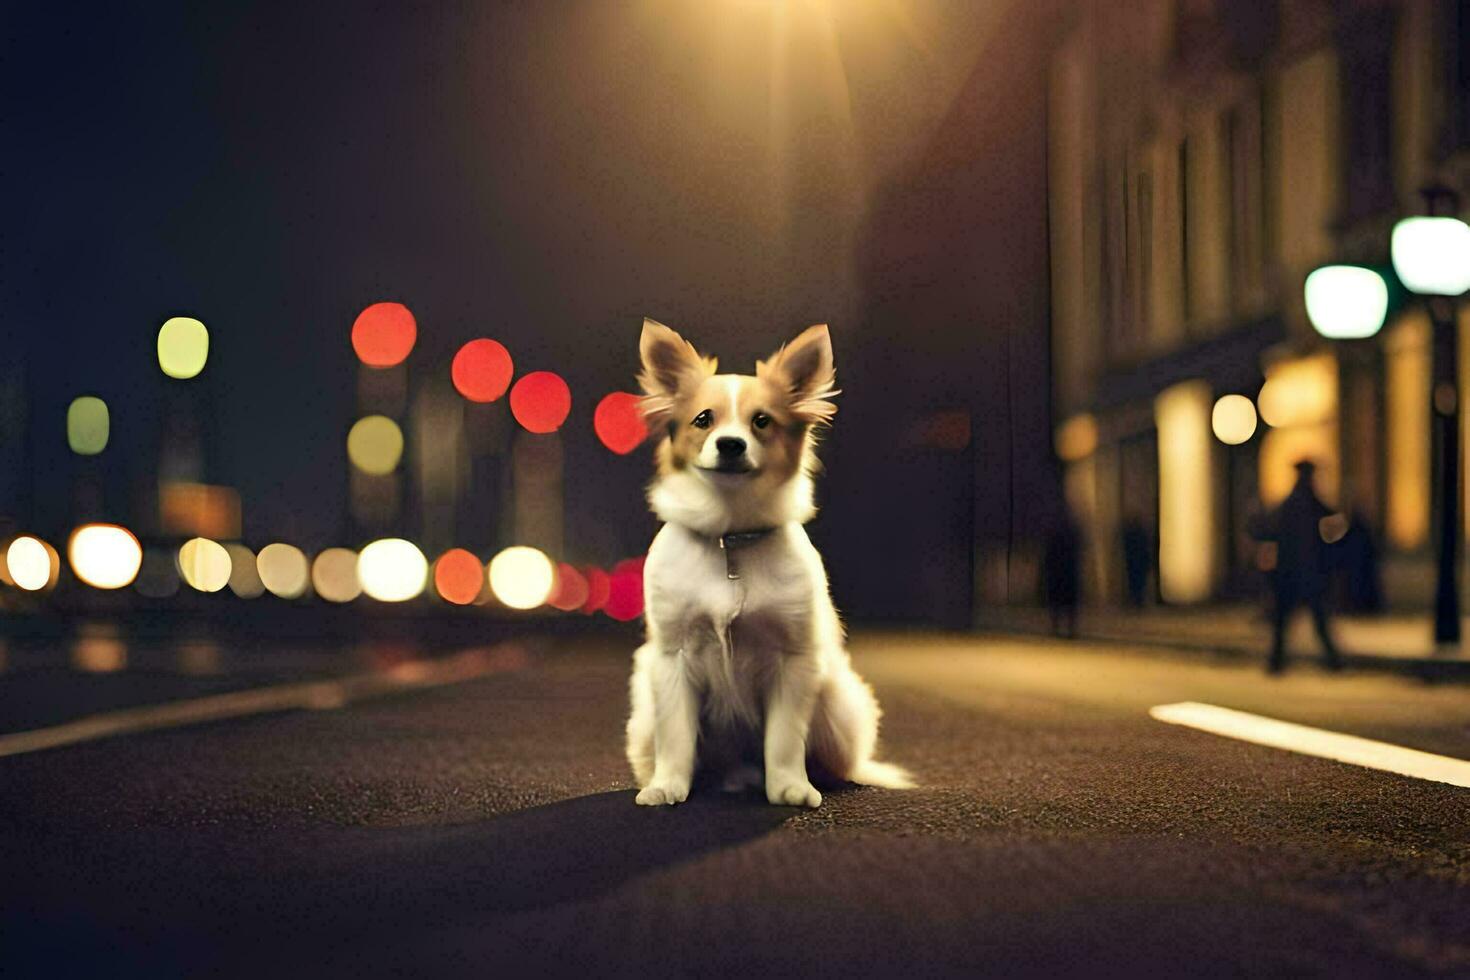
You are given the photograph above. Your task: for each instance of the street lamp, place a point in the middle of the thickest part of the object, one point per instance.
(1431, 255)
(1346, 302)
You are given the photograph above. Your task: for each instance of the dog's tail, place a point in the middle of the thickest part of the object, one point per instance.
(884, 774)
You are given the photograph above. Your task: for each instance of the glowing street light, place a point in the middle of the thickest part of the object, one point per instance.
(1346, 302)
(1431, 255)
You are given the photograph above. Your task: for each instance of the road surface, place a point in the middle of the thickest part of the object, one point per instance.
(484, 824)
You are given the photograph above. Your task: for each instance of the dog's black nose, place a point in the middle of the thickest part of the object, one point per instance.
(730, 446)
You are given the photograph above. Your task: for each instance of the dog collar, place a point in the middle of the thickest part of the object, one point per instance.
(732, 540)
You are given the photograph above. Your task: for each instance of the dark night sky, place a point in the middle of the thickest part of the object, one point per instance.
(546, 174)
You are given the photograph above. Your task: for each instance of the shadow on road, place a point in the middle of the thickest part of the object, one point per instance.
(186, 900)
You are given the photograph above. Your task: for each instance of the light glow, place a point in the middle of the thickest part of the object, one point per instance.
(105, 556)
(618, 422)
(1233, 419)
(384, 334)
(540, 401)
(392, 570)
(31, 563)
(183, 347)
(334, 575)
(482, 370)
(1432, 255)
(1076, 438)
(375, 445)
(88, 425)
(204, 564)
(458, 576)
(522, 577)
(1186, 493)
(1346, 302)
(283, 570)
(1318, 742)
(1302, 391)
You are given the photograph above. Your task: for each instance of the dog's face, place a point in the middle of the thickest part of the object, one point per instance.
(740, 430)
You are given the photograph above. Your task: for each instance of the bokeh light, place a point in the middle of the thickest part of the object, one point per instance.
(244, 578)
(458, 576)
(283, 569)
(375, 445)
(1346, 302)
(205, 564)
(1233, 419)
(105, 556)
(183, 347)
(625, 592)
(392, 570)
(598, 586)
(334, 575)
(31, 563)
(571, 589)
(384, 334)
(540, 401)
(619, 423)
(482, 370)
(1076, 438)
(88, 425)
(522, 577)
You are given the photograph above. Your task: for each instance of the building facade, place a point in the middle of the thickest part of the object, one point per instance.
(1203, 157)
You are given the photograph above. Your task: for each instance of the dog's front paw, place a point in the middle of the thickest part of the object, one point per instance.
(662, 794)
(793, 792)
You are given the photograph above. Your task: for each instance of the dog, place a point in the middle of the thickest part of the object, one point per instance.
(744, 659)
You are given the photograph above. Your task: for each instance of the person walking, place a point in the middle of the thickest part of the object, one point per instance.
(1302, 573)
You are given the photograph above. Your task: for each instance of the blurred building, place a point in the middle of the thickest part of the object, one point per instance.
(1203, 157)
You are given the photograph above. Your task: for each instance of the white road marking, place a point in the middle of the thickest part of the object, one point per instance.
(1317, 742)
(410, 675)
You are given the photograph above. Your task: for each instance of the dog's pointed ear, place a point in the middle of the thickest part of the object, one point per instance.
(803, 370)
(670, 365)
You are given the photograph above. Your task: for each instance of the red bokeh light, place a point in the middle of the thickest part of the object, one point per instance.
(459, 576)
(625, 593)
(482, 370)
(598, 587)
(384, 334)
(618, 422)
(571, 589)
(540, 401)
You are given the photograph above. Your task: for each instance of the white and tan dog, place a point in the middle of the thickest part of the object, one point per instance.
(744, 661)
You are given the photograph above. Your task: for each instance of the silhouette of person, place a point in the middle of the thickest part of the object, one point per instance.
(1302, 573)
(1135, 559)
(1061, 575)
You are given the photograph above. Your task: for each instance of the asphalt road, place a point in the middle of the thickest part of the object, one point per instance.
(487, 827)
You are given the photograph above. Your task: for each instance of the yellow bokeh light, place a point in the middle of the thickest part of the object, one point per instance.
(522, 577)
(204, 564)
(334, 575)
(283, 570)
(88, 425)
(1077, 438)
(1300, 392)
(392, 570)
(1233, 419)
(244, 579)
(31, 563)
(375, 445)
(1186, 492)
(105, 556)
(183, 347)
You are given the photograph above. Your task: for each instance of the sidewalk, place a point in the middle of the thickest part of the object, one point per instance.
(1400, 642)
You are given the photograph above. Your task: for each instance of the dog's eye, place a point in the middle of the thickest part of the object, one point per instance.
(761, 420)
(703, 419)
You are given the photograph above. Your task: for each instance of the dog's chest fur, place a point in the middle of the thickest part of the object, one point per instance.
(731, 632)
